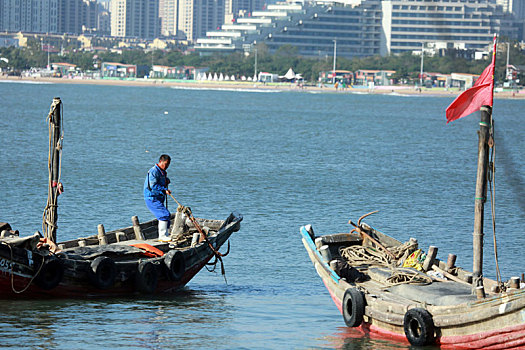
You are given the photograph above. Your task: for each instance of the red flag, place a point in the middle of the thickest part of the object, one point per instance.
(481, 94)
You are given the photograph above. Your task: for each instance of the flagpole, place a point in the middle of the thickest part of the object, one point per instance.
(481, 184)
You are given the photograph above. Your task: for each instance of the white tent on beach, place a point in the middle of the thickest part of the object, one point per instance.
(289, 76)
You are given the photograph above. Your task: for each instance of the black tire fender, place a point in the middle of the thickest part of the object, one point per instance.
(146, 277)
(102, 272)
(175, 263)
(50, 274)
(419, 327)
(353, 307)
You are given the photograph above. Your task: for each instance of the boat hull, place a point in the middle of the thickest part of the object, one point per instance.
(19, 267)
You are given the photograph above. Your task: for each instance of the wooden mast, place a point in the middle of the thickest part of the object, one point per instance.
(49, 224)
(481, 194)
(485, 140)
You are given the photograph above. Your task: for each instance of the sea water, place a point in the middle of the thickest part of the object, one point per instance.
(283, 160)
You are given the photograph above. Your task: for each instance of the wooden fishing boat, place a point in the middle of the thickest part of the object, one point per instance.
(120, 262)
(385, 299)
(394, 290)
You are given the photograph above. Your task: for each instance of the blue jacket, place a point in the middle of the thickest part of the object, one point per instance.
(155, 185)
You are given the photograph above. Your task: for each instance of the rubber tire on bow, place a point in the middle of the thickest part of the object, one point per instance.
(419, 327)
(146, 278)
(103, 272)
(50, 274)
(353, 307)
(176, 265)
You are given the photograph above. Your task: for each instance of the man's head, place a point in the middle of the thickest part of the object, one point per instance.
(164, 161)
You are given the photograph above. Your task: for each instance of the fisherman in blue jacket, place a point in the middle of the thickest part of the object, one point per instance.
(155, 191)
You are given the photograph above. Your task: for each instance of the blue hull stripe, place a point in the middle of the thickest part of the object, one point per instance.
(311, 245)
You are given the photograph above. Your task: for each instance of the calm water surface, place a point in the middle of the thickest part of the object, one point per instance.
(282, 159)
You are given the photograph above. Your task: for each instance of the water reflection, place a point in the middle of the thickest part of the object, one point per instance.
(142, 321)
(346, 338)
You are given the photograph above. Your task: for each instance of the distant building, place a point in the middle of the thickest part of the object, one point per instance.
(409, 23)
(104, 22)
(61, 69)
(118, 70)
(169, 17)
(364, 28)
(377, 77)
(243, 8)
(165, 72)
(90, 16)
(196, 17)
(341, 76)
(48, 16)
(29, 16)
(135, 18)
(311, 27)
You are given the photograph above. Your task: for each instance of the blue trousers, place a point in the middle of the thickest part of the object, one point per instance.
(158, 209)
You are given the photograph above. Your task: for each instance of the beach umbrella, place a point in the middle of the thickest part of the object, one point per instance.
(232, 77)
(243, 78)
(210, 77)
(221, 77)
(249, 78)
(226, 77)
(215, 77)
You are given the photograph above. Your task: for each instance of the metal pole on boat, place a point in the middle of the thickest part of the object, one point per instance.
(481, 194)
(421, 70)
(335, 57)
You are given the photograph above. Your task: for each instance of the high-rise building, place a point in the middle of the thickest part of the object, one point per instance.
(409, 23)
(89, 15)
(135, 18)
(518, 9)
(169, 17)
(118, 17)
(69, 16)
(245, 7)
(48, 16)
(29, 15)
(196, 17)
(363, 28)
(104, 22)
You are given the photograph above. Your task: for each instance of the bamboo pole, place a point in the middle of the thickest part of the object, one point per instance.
(481, 195)
(51, 212)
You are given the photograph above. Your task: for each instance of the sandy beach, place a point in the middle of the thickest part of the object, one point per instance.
(246, 85)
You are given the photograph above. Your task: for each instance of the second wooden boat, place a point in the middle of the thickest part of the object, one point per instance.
(396, 290)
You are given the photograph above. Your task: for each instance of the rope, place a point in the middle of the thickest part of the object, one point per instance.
(492, 188)
(406, 277)
(217, 254)
(361, 255)
(13, 275)
(358, 254)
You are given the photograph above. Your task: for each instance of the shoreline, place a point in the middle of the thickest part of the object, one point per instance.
(242, 85)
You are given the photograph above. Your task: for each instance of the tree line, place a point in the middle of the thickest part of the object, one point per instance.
(406, 65)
